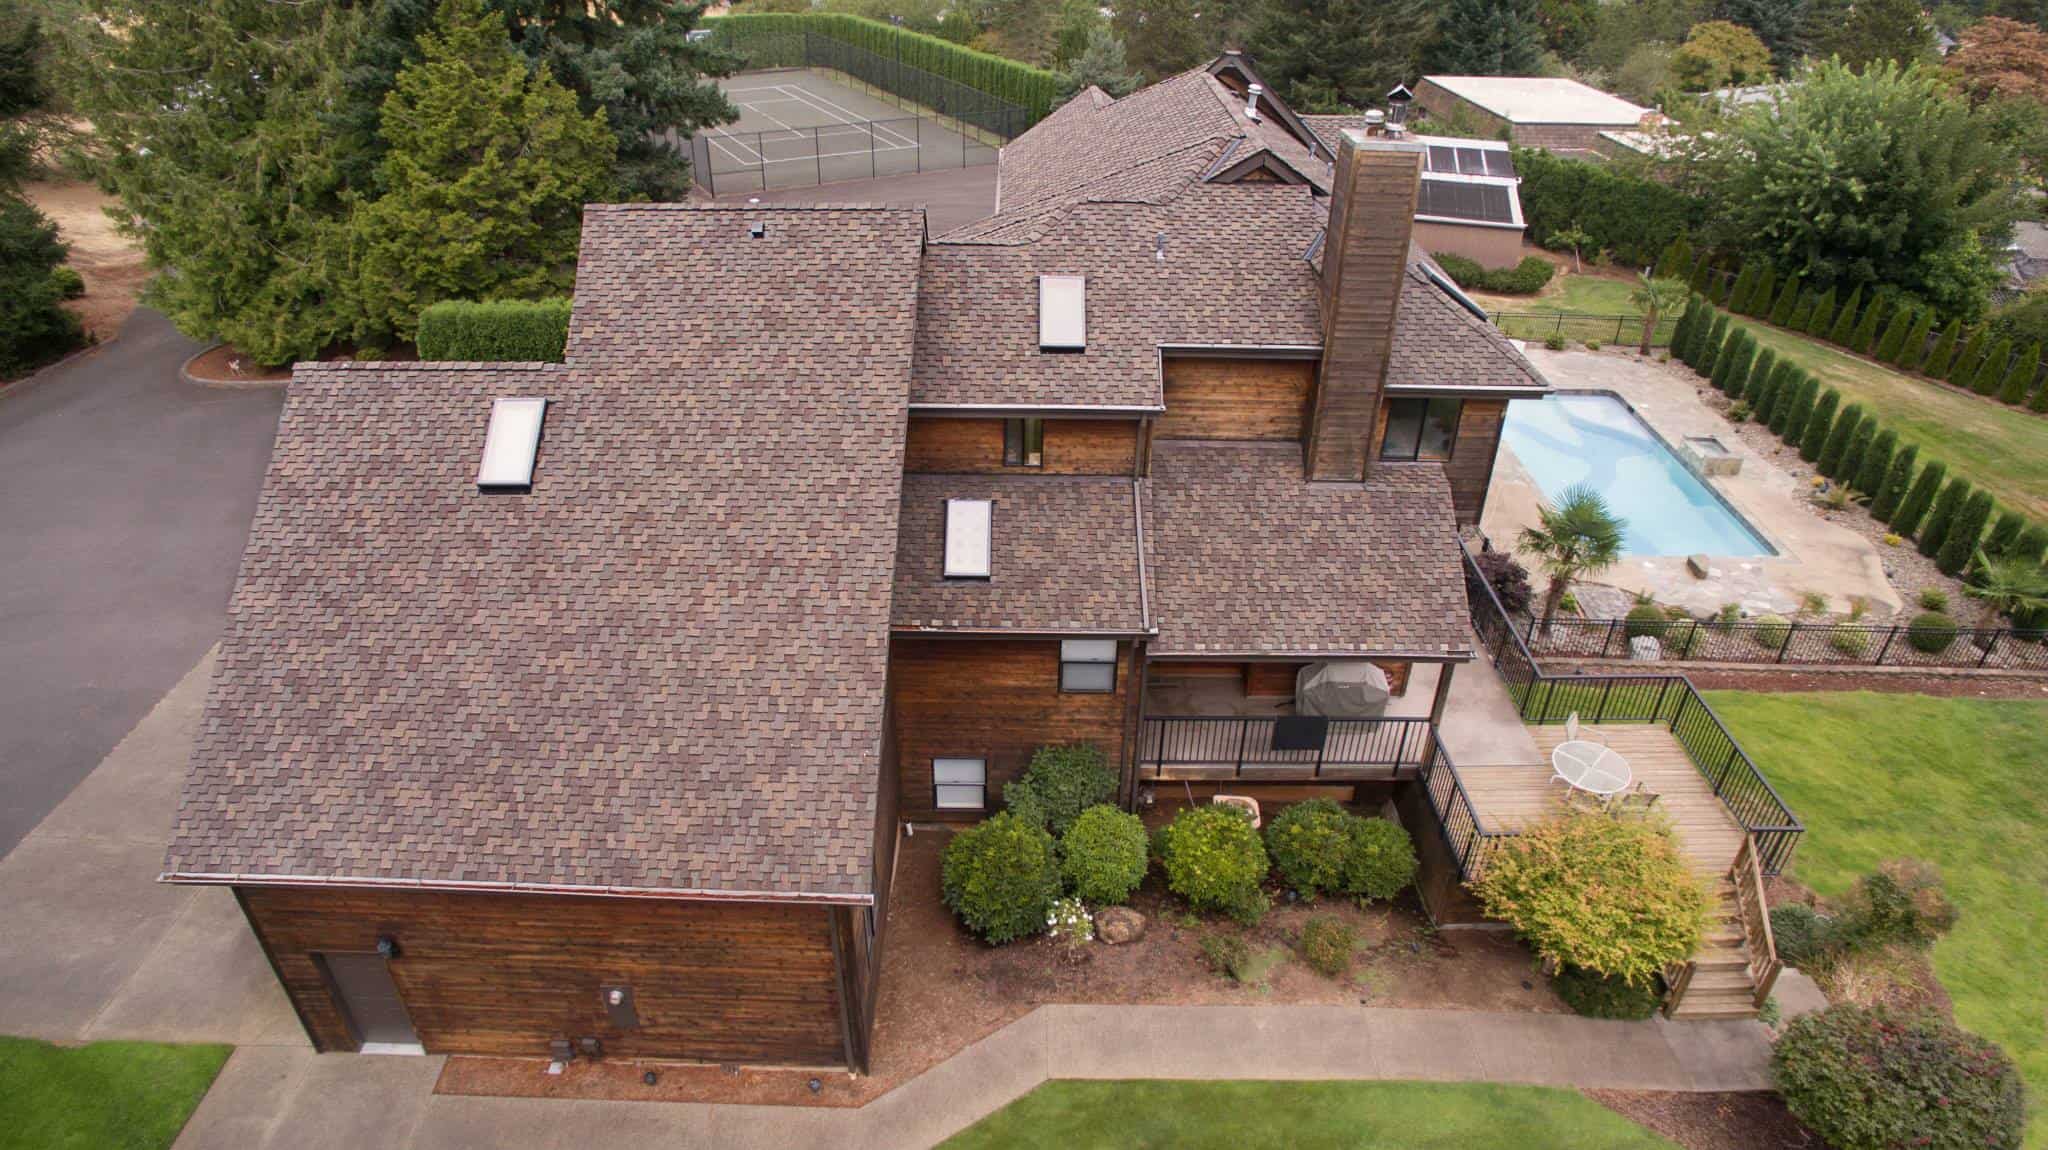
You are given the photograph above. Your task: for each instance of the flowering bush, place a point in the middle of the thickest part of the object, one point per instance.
(1070, 924)
(1102, 856)
(1000, 876)
(1214, 860)
(1868, 1079)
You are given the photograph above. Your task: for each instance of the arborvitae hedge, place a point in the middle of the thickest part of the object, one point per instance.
(2039, 400)
(1845, 319)
(1676, 260)
(1701, 333)
(1942, 515)
(1761, 292)
(497, 331)
(1777, 392)
(1745, 283)
(1818, 425)
(1914, 349)
(1788, 302)
(1681, 333)
(1717, 338)
(1822, 320)
(776, 40)
(1876, 462)
(1865, 334)
(1967, 360)
(1898, 479)
(2019, 378)
(1731, 370)
(1793, 415)
(1985, 380)
(1630, 215)
(1959, 546)
(1944, 352)
(1802, 315)
(1759, 375)
(2005, 534)
(1851, 467)
(1702, 278)
(2032, 543)
(1837, 443)
(1894, 336)
(1913, 509)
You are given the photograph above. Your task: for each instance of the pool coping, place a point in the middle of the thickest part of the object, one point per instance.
(1775, 548)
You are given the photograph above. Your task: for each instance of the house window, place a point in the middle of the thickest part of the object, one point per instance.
(1024, 442)
(1088, 665)
(1420, 428)
(960, 784)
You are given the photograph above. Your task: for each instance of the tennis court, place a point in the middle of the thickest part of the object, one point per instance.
(800, 127)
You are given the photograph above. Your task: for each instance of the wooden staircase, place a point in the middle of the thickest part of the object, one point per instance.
(1732, 973)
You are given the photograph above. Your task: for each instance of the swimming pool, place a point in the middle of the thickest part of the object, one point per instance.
(1598, 441)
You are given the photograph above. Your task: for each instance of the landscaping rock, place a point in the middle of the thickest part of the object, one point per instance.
(1645, 649)
(1117, 925)
(1697, 564)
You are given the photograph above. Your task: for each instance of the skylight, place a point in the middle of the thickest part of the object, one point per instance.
(1062, 313)
(967, 538)
(510, 444)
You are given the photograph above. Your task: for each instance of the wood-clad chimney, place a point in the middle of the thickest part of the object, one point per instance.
(1365, 254)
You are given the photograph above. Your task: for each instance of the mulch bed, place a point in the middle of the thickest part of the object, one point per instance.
(1734, 1121)
(223, 364)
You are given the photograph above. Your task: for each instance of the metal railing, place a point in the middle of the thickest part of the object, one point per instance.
(1794, 642)
(1665, 699)
(1245, 746)
(1583, 327)
(1464, 832)
(729, 162)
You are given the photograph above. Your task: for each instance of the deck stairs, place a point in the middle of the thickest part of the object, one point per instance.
(1732, 973)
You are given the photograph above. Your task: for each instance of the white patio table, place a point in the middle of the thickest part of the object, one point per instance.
(1591, 767)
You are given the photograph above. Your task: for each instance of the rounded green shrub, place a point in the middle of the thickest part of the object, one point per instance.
(1103, 856)
(1849, 640)
(1802, 935)
(1214, 860)
(1308, 843)
(1381, 862)
(1931, 632)
(1326, 944)
(1599, 996)
(1771, 631)
(1065, 779)
(1000, 876)
(69, 283)
(1869, 1079)
(1646, 619)
(1933, 599)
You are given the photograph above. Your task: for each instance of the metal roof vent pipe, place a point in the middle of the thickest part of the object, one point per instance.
(1375, 122)
(1251, 102)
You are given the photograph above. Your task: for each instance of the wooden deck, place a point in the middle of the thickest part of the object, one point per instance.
(1509, 797)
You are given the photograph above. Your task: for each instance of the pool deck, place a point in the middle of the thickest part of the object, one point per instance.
(1813, 554)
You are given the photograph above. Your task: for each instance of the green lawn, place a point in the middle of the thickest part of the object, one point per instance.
(1594, 300)
(1958, 782)
(1064, 1114)
(105, 1096)
(2001, 449)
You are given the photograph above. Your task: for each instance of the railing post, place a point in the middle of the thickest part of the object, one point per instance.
(1791, 630)
(1244, 734)
(1607, 640)
(1606, 692)
(1658, 710)
(1989, 646)
(818, 151)
(1887, 648)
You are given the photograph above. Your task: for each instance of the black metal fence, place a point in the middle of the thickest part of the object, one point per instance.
(1463, 830)
(1583, 327)
(728, 162)
(1793, 642)
(1251, 747)
(909, 86)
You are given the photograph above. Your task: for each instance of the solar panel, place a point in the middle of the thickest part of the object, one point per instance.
(1442, 158)
(1472, 161)
(1459, 201)
(1500, 163)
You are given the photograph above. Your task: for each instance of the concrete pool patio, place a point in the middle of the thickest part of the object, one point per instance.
(1814, 555)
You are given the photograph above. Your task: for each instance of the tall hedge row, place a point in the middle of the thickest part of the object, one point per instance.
(1628, 215)
(495, 331)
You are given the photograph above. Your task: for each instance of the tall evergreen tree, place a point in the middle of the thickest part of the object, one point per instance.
(1717, 339)
(1989, 373)
(1761, 292)
(1914, 348)
(1101, 63)
(1968, 360)
(1837, 443)
(1880, 32)
(34, 327)
(1791, 420)
(1822, 320)
(1942, 516)
(1745, 283)
(1959, 544)
(1163, 37)
(1731, 370)
(1850, 469)
(1487, 38)
(1330, 55)
(2019, 378)
(1913, 509)
(1844, 330)
(1786, 303)
(1894, 337)
(2004, 535)
(1898, 479)
(1681, 333)
(1819, 425)
(1759, 375)
(1944, 352)
(1802, 315)
(1876, 462)
(1865, 335)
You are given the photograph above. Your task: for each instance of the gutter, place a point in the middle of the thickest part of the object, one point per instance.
(1144, 590)
(457, 886)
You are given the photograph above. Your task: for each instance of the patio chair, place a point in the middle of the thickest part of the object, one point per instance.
(1575, 731)
(1638, 797)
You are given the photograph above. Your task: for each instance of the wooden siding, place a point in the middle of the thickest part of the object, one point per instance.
(504, 973)
(1470, 468)
(1235, 398)
(1271, 678)
(997, 699)
(1072, 447)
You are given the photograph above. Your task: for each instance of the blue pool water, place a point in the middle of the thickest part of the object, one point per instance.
(1598, 441)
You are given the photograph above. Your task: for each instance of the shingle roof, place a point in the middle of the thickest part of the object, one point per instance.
(663, 667)
(1331, 568)
(1064, 555)
(1438, 343)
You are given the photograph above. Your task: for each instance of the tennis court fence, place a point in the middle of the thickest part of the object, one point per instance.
(728, 162)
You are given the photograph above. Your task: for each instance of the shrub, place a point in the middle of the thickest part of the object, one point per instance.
(1823, 318)
(1731, 368)
(1745, 283)
(1023, 800)
(70, 285)
(1325, 945)
(1759, 376)
(1629, 214)
(1675, 260)
(1865, 335)
(1944, 352)
(1717, 338)
(1214, 860)
(1645, 619)
(1959, 546)
(1001, 877)
(1802, 316)
(1931, 632)
(1308, 843)
(1869, 1079)
(1102, 856)
(2032, 542)
(1773, 393)
(1068, 923)
(1967, 360)
(1851, 466)
(1771, 631)
(1611, 895)
(1738, 412)
(2019, 378)
(1592, 345)
(1844, 327)
(2039, 400)
(776, 40)
(1898, 478)
(1849, 641)
(1894, 338)
(1876, 462)
(1062, 781)
(1804, 938)
(1818, 425)
(1933, 599)
(1913, 509)
(1942, 516)
(1837, 442)
(507, 331)
(1985, 380)
(2004, 534)
(1600, 996)
(1787, 303)
(1901, 903)
(1381, 862)
(1526, 278)
(1554, 342)
(1508, 578)
(1791, 418)
(1914, 347)
(1225, 953)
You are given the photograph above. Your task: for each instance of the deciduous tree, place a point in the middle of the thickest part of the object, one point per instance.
(1717, 53)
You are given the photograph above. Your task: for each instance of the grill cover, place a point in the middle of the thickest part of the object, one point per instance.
(1353, 689)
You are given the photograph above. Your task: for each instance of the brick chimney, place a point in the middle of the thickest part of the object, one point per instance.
(1365, 255)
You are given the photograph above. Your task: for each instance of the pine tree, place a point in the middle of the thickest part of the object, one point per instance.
(1487, 38)
(1959, 545)
(1762, 291)
(1717, 338)
(1944, 352)
(1914, 349)
(1676, 260)
(1966, 362)
(1865, 335)
(1759, 375)
(1798, 412)
(1898, 479)
(1913, 509)
(2039, 400)
(1844, 327)
(1702, 277)
(1738, 295)
(1321, 55)
(2019, 378)
(1731, 370)
(1788, 302)
(2005, 534)
(1876, 462)
(1942, 516)
(1822, 320)
(1819, 425)
(1985, 380)
(1851, 467)
(1802, 316)
(1163, 37)
(1681, 334)
(1837, 443)
(1101, 63)
(1777, 393)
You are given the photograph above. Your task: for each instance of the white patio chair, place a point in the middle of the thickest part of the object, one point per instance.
(1575, 731)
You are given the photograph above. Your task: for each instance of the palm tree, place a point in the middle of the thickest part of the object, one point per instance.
(1577, 537)
(2015, 586)
(1656, 297)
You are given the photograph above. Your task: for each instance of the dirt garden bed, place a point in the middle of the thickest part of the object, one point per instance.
(1735, 1121)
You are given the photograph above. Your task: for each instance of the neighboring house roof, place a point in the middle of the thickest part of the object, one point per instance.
(1334, 569)
(1063, 555)
(1542, 100)
(2026, 258)
(662, 668)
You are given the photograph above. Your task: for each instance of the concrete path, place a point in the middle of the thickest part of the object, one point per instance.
(125, 496)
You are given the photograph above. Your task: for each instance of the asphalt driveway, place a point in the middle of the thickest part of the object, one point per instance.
(125, 496)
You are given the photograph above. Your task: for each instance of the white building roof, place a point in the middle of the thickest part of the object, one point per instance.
(1542, 100)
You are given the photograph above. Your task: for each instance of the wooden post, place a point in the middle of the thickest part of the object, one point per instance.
(1443, 694)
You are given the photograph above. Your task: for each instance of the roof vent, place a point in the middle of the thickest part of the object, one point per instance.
(758, 228)
(1251, 102)
(1062, 313)
(510, 445)
(1159, 247)
(968, 523)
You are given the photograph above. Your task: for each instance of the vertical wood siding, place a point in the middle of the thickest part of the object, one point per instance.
(1235, 398)
(1072, 447)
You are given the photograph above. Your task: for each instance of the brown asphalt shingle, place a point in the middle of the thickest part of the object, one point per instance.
(661, 668)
